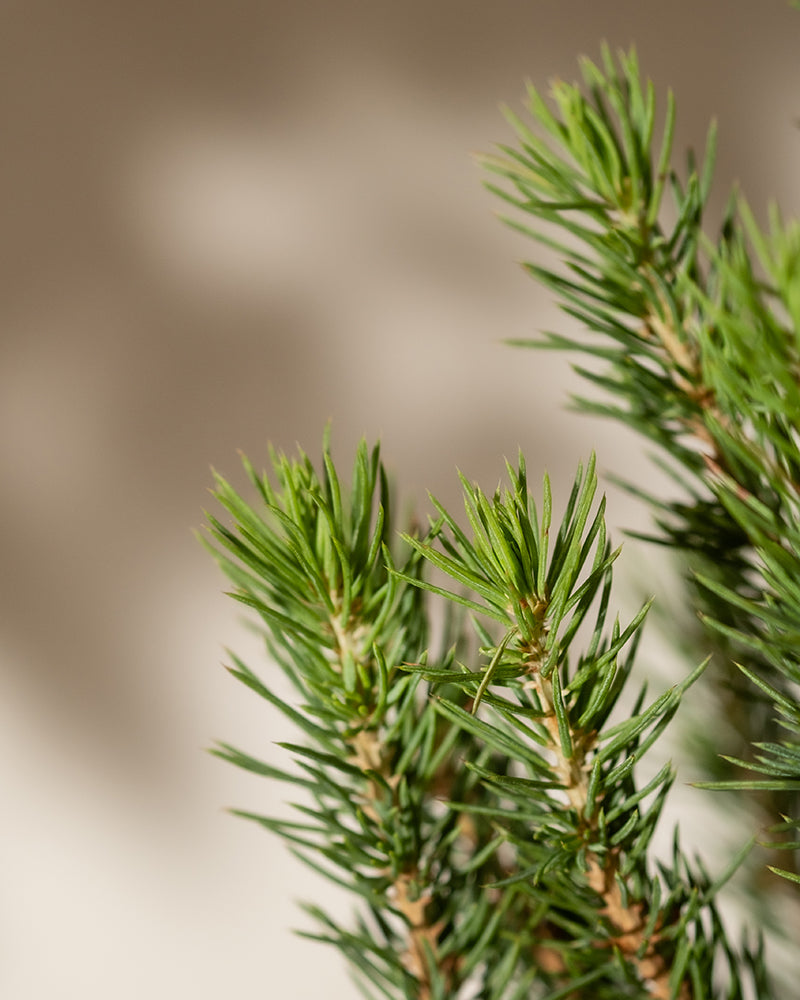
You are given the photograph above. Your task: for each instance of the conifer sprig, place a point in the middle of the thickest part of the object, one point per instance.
(481, 800)
(699, 349)
(314, 562)
(569, 805)
(494, 834)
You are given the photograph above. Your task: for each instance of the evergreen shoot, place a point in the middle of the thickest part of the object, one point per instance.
(479, 796)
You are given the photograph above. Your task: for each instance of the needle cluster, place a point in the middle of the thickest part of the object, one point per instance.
(479, 797)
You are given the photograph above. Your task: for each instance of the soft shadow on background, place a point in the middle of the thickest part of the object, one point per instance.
(223, 225)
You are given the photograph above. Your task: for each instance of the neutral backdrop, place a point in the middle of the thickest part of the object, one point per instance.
(225, 224)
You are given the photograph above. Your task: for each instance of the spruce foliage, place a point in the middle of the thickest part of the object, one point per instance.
(480, 797)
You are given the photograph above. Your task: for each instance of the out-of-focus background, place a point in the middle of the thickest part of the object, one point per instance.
(223, 225)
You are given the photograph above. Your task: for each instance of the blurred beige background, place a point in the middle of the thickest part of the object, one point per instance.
(225, 224)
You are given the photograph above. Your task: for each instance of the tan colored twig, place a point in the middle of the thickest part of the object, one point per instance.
(628, 922)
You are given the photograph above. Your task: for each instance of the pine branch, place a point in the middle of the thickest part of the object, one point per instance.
(480, 801)
(494, 834)
(701, 352)
(575, 821)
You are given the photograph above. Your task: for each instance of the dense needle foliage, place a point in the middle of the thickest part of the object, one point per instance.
(480, 798)
(700, 344)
